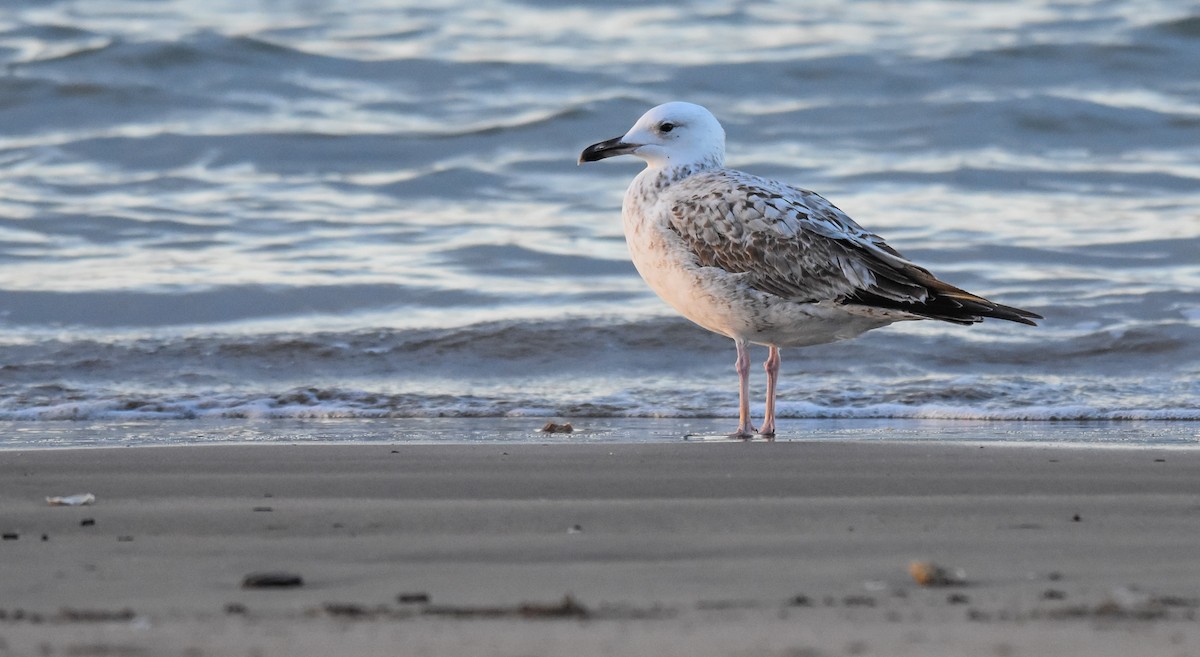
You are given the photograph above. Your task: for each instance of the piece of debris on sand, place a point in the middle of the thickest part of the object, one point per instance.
(553, 427)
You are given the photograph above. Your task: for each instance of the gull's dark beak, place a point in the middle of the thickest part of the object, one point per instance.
(611, 148)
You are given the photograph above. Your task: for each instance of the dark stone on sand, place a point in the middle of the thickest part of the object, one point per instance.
(568, 607)
(418, 598)
(957, 599)
(262, 509)
(1076, 518)
(800, 601)
(10, 536)
(272, 580)
(69, 615)
(552, 427)
(345, 609)
(1053, 594)
(87, 522)
(236, 609)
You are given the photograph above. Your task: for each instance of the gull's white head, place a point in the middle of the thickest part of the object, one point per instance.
(670, 135)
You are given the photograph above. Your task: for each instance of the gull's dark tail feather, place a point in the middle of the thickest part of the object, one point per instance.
(945, 302)
(973, 308)
(970, 308)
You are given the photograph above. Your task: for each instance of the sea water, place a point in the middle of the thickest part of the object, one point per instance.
(246, 215)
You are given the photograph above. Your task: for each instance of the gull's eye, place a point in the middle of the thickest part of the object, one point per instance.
(666, 127)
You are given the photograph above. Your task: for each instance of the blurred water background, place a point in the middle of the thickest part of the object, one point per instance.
(257, 209)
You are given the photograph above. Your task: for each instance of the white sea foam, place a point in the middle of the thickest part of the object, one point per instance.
(364, 405)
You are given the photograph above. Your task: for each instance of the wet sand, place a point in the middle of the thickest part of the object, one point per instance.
(792, 548)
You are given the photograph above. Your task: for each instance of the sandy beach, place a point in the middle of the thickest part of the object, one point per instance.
(790, 548)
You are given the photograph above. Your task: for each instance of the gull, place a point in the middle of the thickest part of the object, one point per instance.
(759, 261)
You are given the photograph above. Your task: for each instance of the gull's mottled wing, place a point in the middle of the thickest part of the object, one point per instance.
(794, 244)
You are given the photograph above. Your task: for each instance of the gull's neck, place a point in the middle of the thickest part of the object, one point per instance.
(661, 174)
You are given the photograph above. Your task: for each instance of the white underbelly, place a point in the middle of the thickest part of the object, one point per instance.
(723, 303)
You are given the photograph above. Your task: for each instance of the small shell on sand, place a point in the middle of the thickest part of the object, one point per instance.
(928, 573)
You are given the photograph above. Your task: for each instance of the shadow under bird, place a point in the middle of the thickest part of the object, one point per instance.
(760, 261)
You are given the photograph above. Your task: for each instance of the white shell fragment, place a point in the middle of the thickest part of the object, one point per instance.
(82, 499)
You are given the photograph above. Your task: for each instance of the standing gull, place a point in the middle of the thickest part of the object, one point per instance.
(759, 261)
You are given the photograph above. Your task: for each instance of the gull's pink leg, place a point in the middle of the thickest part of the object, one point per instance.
(772, 367)
(742, 365)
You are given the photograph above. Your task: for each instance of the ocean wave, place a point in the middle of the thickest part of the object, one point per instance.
(205, 53)
(1052, 119)
(215, 305)
(1084, 344)
(1187, 28)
